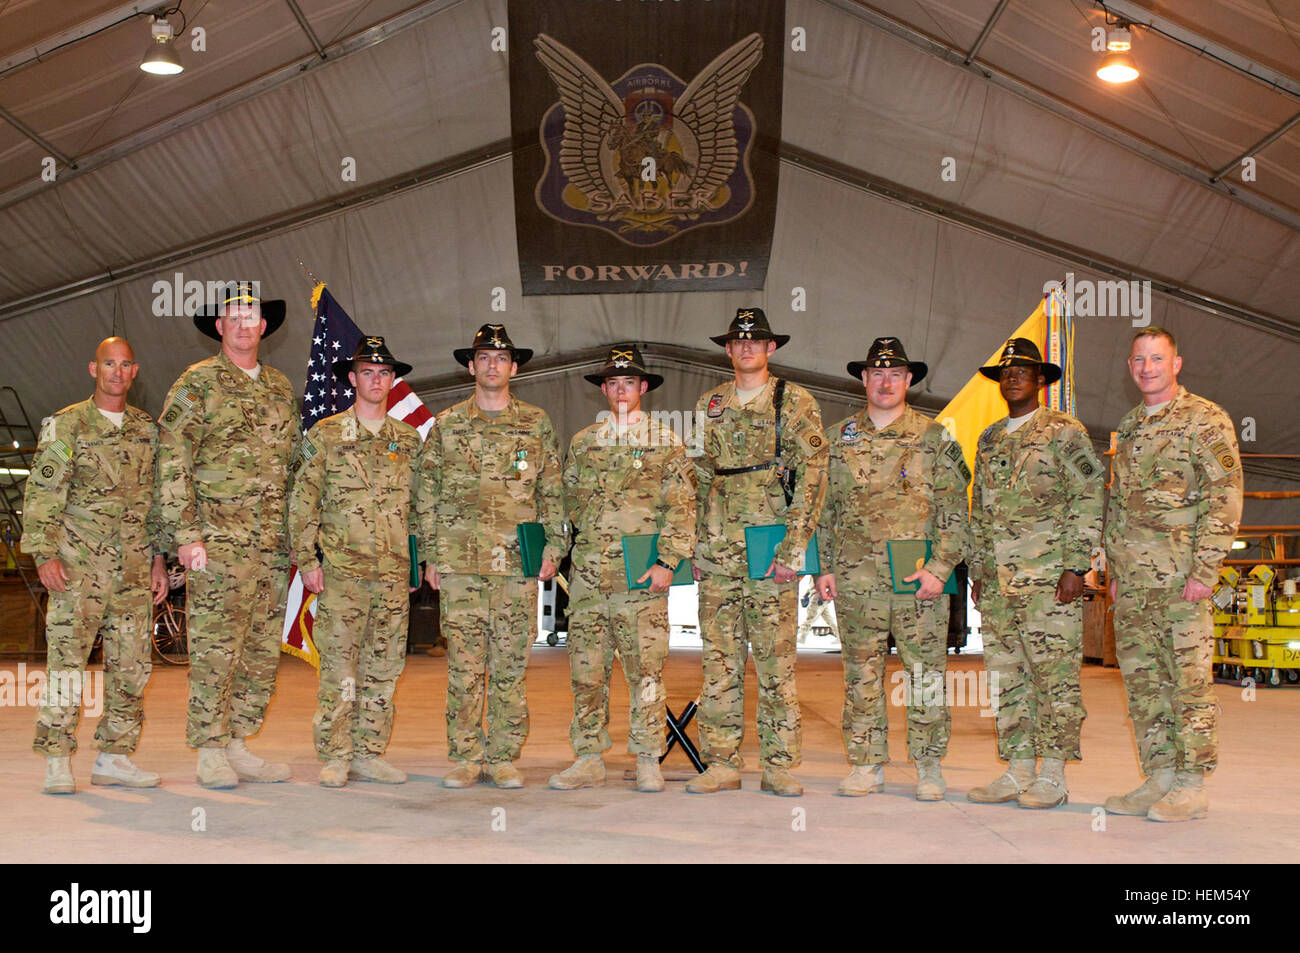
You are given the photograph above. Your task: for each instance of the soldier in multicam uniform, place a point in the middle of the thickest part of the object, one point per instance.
(1175, 502)
(227, 436)
(740, 479)
(492, 462)
(624, 476)
(353, 497)
(1035, 523)
(88, 525)
(894, 475)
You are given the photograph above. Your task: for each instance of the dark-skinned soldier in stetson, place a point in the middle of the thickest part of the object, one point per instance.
(1035, 523)
(894, 475)
(491, 463)
(227, 436)
(625, 475)
(743, 476)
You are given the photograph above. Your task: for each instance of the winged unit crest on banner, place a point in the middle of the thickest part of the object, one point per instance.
(649, 156)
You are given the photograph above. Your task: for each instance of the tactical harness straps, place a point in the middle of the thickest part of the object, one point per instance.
(786, 477)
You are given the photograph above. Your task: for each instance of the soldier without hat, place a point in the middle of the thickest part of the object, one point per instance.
(1175, 504)
(88, 523)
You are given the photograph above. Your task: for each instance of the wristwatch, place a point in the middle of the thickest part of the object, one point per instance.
(660, 562)
(1078, 572)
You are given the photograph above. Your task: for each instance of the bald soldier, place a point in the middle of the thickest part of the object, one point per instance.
(87, 524)
(491, 463)
(1175, 503)
(894, 475)
(352, 502)
(227, 435)
(625, 475)
(764, 463)
(1035, 522)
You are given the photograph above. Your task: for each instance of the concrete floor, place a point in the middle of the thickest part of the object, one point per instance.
(1254, 804)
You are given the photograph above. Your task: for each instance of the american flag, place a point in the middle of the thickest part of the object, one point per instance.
(334, 337)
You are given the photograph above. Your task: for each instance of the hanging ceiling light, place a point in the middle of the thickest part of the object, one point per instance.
(160, 59)
(1118, 66)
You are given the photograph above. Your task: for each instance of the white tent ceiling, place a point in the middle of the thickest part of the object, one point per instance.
(233, 169)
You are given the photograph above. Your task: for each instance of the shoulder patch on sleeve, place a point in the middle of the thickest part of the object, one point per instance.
(182, 403)
(954, 453)
(48, 426)
(1222, 452)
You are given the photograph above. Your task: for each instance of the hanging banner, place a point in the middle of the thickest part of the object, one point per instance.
(645, 139)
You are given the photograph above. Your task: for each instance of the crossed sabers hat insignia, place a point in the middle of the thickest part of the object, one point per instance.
(625, 361)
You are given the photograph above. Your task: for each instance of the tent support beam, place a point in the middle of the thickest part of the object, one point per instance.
(33, 135)
(989, 24)
(306, 27)
(1272, 137)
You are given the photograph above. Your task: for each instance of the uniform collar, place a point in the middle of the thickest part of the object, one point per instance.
(764, 394)
(903, 423)
(1173, 402)
(102, 426)
(240, 375)
(384, 428)
(509, 414)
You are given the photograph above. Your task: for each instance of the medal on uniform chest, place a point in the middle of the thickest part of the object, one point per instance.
(520, 463)
(392, 451)
(636, 458)
(904, 476)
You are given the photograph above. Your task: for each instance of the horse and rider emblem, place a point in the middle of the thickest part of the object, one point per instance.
(647, 157)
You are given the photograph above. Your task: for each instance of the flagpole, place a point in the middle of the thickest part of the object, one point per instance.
(311, 276)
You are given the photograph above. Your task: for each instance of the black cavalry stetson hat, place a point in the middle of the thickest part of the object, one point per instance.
(372, 350)
(888, 352)
(1021, 352)
(625, 361)
(236, 293)
(749, 324)
(492, 337)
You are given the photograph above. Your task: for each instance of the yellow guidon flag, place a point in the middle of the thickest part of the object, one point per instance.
(979, 403)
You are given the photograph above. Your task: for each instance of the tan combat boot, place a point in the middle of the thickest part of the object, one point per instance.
(503, 774)
(930, 785)
(215, 770)
(1009, 786)
(334, 774)
(1187, 800)
(719, 777)
(376, 769)
(464, 775)
(250, 767)
(864, 779)
(58, 775)
(1049, 789)
(1139, 801)
(780, 782)
(587, 772)
(648, 776)
(119, 769)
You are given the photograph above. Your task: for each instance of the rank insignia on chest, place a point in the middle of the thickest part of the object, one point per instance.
(850, 433)
(715, 406)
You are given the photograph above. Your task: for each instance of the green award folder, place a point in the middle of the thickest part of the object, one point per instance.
(906, 556)
(532, 540)
(640, 553)
(760, 550)
(415, 562)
